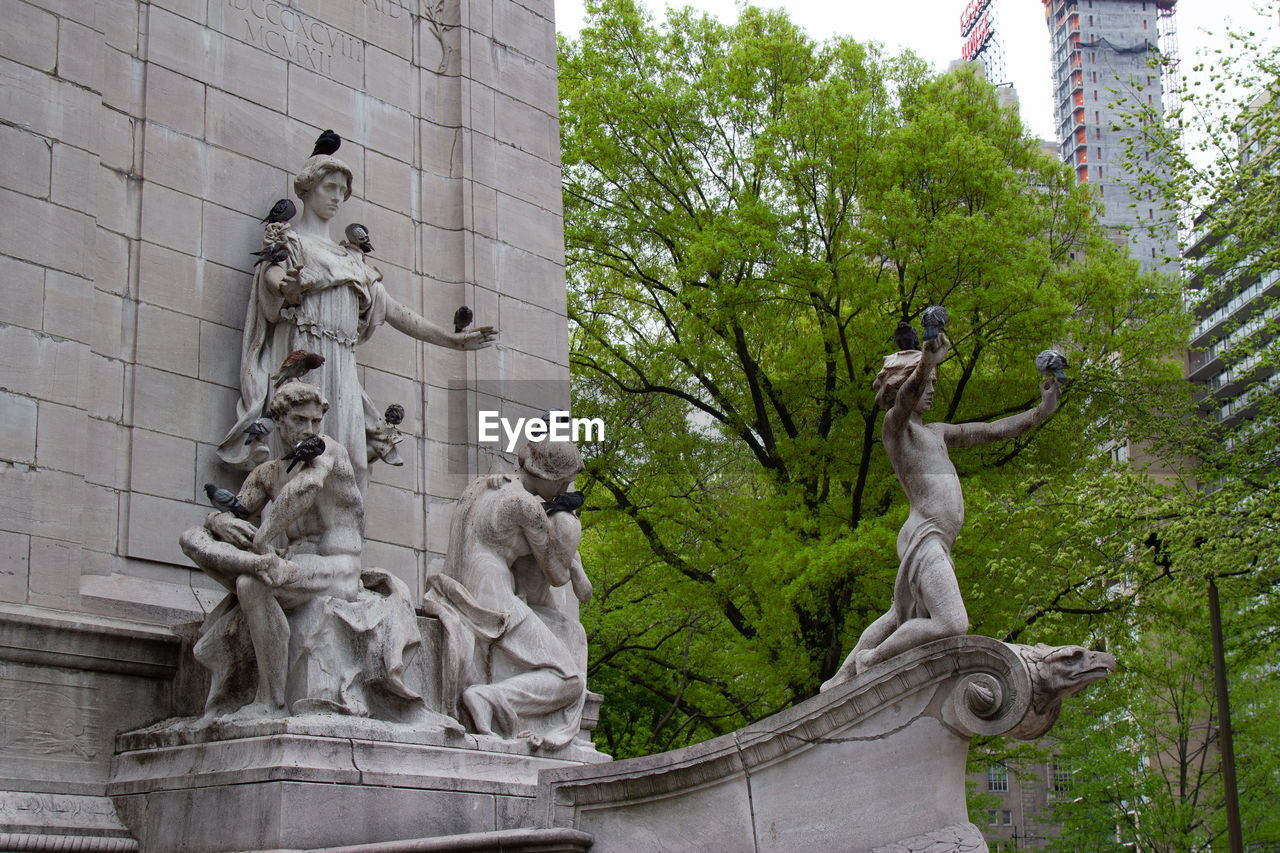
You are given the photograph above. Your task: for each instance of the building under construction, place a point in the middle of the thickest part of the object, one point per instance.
(1114, 74)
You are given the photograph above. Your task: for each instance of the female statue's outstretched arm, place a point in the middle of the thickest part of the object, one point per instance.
(415, 325)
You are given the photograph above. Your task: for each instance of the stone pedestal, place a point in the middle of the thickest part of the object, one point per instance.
(316, 781)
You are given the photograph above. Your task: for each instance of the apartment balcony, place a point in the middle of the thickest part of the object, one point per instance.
(1239, 309)
(1205, 362)
(1240, 408)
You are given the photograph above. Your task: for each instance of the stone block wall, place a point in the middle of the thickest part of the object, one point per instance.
(142, 142)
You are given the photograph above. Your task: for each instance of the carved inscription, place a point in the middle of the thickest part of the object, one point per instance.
(306, 41)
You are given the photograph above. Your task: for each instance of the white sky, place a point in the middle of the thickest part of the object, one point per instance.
(932, 29)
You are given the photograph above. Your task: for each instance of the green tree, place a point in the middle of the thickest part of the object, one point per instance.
(748, 215)
(1144, 746)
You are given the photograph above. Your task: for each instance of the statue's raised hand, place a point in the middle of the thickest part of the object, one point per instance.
(1050, 389)
(935, 351)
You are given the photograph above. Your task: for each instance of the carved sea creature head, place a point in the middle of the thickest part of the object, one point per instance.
(897, 368)
(316, 169)
(1061, 671)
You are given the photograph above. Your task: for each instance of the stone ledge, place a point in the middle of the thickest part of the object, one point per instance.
(44, 821)
(500, 841)
(35, 635)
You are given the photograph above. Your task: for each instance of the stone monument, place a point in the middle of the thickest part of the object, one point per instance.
(150, 137)
(146, 140)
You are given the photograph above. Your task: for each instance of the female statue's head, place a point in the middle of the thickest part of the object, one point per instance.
(322, 169)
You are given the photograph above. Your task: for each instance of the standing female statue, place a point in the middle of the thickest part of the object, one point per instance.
(324, 297)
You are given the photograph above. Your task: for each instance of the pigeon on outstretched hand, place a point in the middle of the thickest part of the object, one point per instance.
(905, 337)
(564, 502)
(260, 428)
(304, 451)
(327, 143)
(1052, 362)
(226, 500)
(276, 253)
(296, 364)
(462, 318)
(358, 236)
(933, 319)
(282, 211)
(394, 414)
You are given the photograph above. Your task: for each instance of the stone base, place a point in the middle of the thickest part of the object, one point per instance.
(874, 765)
(43, 821)
(191, 786)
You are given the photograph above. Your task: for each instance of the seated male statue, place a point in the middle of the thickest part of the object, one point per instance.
(516, 653)
(304, 555)
(926, 596)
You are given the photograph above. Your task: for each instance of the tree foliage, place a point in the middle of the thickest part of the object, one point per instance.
(748, 215)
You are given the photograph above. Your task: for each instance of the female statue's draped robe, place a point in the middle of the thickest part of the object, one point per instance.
(342, 302)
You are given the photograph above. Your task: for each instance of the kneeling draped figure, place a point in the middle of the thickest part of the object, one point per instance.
(516, 653)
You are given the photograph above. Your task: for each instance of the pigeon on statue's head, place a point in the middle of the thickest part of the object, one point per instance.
(295, 365)
(327, 143)
(905, 337)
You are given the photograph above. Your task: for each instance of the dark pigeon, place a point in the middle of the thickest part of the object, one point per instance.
(327, 143)
(304, 451)
(226, 500)
(282, 211)
(462, 318)
(905, 337)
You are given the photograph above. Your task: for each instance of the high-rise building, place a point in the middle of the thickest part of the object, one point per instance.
(1107, 88)
(1232, 290)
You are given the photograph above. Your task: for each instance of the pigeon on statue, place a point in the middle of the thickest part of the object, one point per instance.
(462, 318)
(905, 337)
(358, 236)
(564, 502)
(276, 253)
(304, 451)
(296, 364)
(327, 143)
(259, 429)
(1052, 362)
(933, 319)
(282, 211)
(226, 500)
(394, 414)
